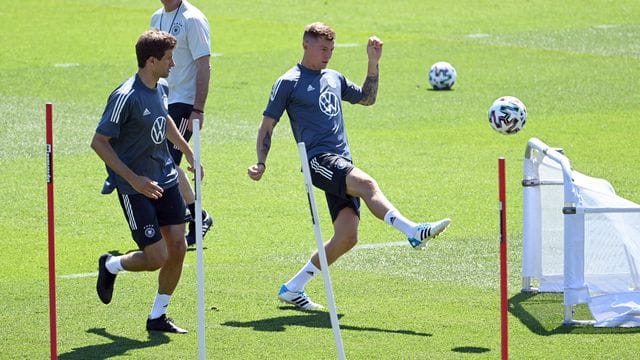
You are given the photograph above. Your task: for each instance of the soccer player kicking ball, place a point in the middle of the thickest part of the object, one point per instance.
(312, 96)
(131, 138)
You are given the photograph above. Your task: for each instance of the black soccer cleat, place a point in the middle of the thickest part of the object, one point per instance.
(207, 222)
(104, 286)
(164, 324)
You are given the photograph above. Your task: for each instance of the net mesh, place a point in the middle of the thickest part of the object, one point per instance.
(611, 245)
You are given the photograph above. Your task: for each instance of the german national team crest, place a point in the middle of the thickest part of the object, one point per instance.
(341, 163)
(149, 231)
(175, 29)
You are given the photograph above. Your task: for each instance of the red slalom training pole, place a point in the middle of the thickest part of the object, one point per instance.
(52, 235)
(504, 302)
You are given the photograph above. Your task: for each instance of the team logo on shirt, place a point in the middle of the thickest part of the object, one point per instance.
(329, 103)
(175, 29)
(158, 130)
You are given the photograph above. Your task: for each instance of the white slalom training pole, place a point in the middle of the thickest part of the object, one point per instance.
(202, 350)
(333, 314)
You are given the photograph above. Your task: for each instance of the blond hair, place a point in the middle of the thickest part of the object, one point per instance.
(318, 30)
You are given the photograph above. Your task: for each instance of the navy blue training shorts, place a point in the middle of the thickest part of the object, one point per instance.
(329, 173)
(180, 113)
(145, 215)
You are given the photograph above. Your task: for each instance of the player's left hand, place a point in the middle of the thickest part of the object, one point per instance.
(195, 115)
(256, 171)
(193, 170)
(374, 48)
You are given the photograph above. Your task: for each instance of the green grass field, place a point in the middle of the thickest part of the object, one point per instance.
(575, 64)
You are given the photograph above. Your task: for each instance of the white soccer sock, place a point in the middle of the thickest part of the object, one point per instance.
(395, 219)
(114, 265)
(160, 305)
(308, 272)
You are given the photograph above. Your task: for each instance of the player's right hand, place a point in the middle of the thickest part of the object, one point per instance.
(256, 171)
(148, 187)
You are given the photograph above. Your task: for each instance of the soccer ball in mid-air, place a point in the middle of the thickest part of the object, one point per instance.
(442, 76)
(507, 115)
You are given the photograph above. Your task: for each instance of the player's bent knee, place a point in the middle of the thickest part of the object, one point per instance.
(156, 261)
(348, 241)
(352, 241)
(366, 187)
(179, 246)
(155, 255)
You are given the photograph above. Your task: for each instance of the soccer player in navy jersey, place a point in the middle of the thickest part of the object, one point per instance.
(131, 138)
(312, 96)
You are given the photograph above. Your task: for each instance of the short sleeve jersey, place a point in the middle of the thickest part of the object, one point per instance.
(191, 28)
(313, 101)
(135, 119)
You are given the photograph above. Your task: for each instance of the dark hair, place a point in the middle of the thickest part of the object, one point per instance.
(318, 30)
(153, 43)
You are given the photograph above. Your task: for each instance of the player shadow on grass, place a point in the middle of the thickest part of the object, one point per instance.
(118, 346)
(309, 318)
(542, 313)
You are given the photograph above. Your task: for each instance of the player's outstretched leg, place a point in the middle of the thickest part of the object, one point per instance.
(427, 231)
(297, 298)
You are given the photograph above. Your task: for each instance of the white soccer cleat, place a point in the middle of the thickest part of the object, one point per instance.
(428, 231)
(299, 299)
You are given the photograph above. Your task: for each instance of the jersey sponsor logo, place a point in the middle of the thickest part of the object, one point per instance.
(329, 103)
(310, 88)
(158, 130)
(146, 112)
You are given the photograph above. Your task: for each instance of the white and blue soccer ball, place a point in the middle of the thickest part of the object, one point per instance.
(442, 76)
(507, 115)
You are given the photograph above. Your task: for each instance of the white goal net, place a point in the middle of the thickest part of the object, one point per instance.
(579, 238)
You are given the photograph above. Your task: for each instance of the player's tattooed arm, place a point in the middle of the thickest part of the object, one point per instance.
(263, 145)
(370, 88)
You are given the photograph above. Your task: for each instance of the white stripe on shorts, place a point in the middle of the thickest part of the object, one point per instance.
(127, 206)
(183, 127)
(323, 171)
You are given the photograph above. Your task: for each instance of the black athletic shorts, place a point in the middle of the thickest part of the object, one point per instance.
(329, 173)
(145, 215)
(180, 113)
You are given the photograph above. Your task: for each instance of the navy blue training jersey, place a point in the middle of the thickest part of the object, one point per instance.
(313, 101)
(135, 118)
